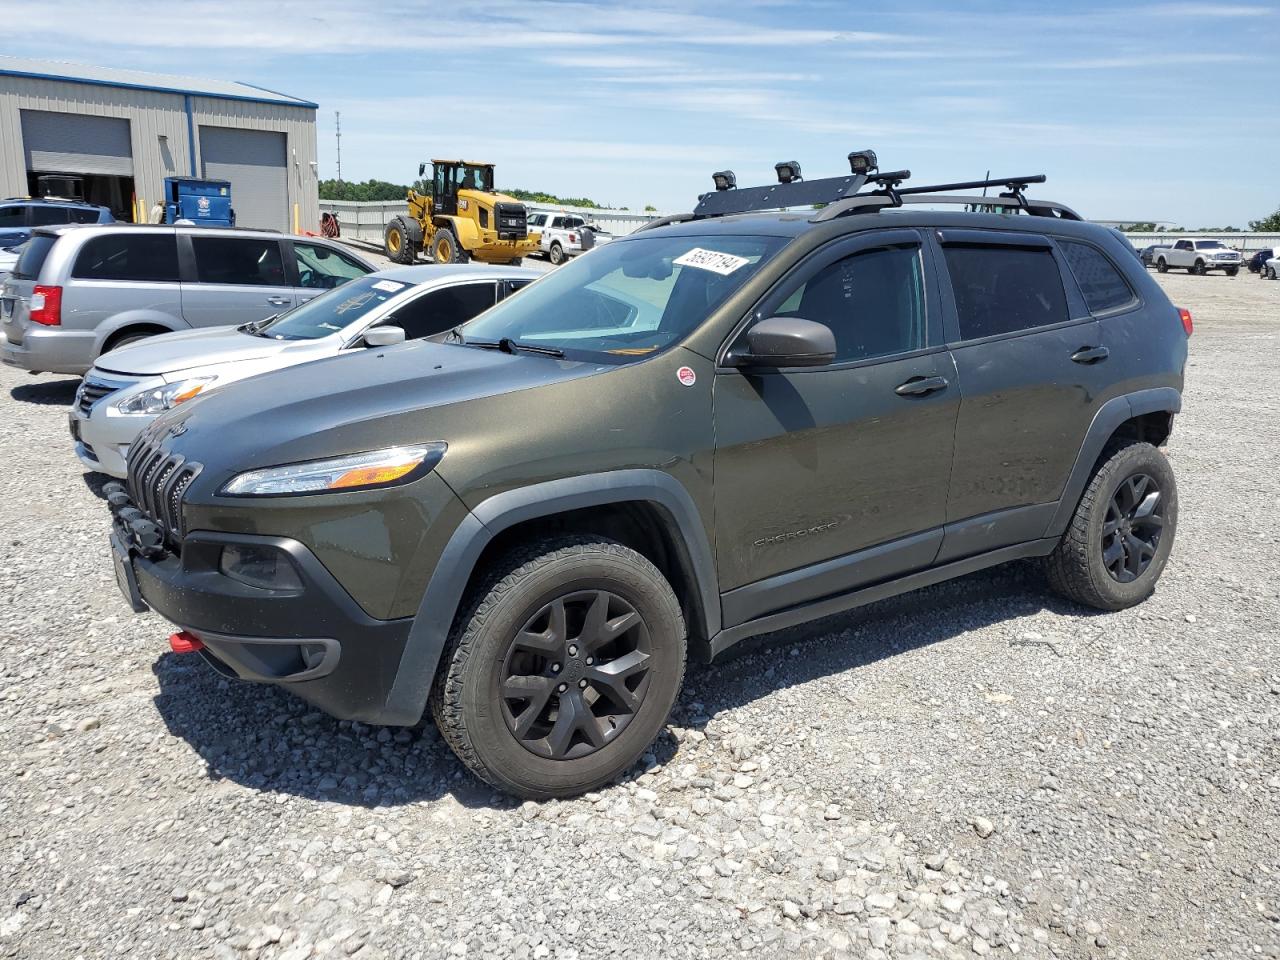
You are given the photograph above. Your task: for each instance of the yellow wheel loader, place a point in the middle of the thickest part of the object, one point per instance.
(462, 218)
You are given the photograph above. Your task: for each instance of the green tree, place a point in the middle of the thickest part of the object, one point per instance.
(537, 196)
(379, 190)
(650, 208)
(1269, 224)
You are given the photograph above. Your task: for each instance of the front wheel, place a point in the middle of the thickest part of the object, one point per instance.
(1271, 273)
(1121, 534)
(1197, 268)
(1232, 271)
(562, 668)
(1161, 266)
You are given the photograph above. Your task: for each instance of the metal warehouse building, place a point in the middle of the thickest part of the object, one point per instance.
(124, 131)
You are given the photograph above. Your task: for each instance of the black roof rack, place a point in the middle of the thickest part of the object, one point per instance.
(839, 196)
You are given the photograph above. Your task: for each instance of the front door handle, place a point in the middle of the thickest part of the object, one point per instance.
(920, 386)
(278, 301)
(1091, 354)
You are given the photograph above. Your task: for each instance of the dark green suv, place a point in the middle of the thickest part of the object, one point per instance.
(732, 422)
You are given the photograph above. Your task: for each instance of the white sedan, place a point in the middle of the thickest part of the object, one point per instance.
(130, 387)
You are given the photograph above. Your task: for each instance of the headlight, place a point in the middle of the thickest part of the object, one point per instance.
(164, 398)
(358, 471)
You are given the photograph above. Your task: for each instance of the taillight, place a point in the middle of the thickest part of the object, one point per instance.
(1187, 325)
(46, 305)
(573, 238)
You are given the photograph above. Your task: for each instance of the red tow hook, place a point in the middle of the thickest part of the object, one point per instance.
(183, 642)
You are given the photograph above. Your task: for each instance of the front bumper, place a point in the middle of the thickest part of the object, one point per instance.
(51, 350)
(102, 441)
(314, 641)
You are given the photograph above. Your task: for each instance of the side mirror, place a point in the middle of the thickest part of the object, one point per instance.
(422, 168)
(386, 336)
(786, 342)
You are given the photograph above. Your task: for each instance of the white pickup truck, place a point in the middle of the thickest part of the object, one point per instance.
(1198, 256)
(566, 235)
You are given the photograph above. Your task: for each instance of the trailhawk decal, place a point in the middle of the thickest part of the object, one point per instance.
(721, 263)
(686, 376)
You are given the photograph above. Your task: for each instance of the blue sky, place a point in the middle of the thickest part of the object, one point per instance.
(1160, 110)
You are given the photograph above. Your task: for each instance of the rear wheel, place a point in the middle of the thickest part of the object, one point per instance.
(396, 241)
(445, 247)
(557, 254)
(562, 668)
(1120, 537)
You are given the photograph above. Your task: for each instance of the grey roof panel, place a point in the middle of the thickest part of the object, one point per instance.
(141, 80)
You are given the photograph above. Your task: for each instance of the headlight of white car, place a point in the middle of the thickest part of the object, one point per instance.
(164, 398)
(357, 471)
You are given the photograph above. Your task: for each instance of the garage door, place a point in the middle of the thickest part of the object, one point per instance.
(76, 143)
(254, 162)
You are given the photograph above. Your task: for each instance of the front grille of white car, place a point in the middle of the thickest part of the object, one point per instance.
(94, 389)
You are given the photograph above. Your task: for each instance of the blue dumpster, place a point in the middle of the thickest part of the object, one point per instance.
(203, 202)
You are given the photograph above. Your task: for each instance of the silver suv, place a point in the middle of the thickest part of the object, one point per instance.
(79, 291)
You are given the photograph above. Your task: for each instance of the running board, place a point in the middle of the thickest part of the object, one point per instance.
(793, 616)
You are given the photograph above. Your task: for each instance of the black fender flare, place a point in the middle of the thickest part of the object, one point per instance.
(407, 700)
(1109, 416)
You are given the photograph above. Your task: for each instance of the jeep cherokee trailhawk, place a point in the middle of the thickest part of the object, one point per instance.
(727, 423)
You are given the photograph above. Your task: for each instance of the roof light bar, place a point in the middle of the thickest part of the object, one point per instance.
(724, 180)
(788, 171)
(863, 161)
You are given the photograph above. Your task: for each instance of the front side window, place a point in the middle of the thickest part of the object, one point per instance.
(137, 256)
(323, 267)
(1004, 289)
(630, 298)
(47, 216)
(1103, 286)
(443, 310)
(332, 312)
(873, 302)
(242, 261)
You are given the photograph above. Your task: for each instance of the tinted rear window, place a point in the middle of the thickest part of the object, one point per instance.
(1103, 286)
(245, 261)
(129, 256)
(48, 216)
(1005, 289)
(34, 253)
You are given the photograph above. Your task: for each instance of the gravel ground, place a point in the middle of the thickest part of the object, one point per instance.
(979, 768)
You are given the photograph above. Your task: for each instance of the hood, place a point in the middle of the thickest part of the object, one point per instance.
(12, 236)
(170, 352)
(347, 404)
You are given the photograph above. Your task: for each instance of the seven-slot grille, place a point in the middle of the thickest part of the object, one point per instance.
(156, 484)
(512, 221)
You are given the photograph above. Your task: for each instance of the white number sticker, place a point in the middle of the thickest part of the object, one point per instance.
(721, 263)
(388, 286)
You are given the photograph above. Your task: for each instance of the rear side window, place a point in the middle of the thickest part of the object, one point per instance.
(12, 216)
(48, 216)
(34, 253)
(83, 214)
(1103, 286)
(873, 302)
(129, 256)
(1004, 289)
(243, 261)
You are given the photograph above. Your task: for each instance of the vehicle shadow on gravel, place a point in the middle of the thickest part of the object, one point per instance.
(264, 738)
(47, 392)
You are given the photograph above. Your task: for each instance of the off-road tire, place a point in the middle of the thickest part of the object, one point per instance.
(1162, 266)
(397, 241)
(465, 699)
(1075, 569)
(445, 247)
(556, 254)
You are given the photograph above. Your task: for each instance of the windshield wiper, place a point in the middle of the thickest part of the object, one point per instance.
(507, 345)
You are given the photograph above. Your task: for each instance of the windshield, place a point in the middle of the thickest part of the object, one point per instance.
(1212, 245)
(628, 299)
(333, 311)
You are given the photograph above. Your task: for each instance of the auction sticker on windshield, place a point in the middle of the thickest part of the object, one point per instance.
(390, 286)
(721, 263)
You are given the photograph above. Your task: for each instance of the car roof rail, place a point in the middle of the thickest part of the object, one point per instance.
(840, 196)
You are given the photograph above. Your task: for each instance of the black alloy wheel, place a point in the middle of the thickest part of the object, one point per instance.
(1132, 527)
(576, 674)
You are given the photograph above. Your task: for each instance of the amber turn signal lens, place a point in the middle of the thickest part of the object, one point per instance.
(371, 476)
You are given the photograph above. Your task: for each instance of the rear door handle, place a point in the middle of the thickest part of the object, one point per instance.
(1090, 354)
(278, 301)
(920, 386)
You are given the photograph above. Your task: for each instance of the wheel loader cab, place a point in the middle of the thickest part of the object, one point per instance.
(451, 176)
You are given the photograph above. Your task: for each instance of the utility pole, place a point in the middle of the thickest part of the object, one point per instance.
(337, 121)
